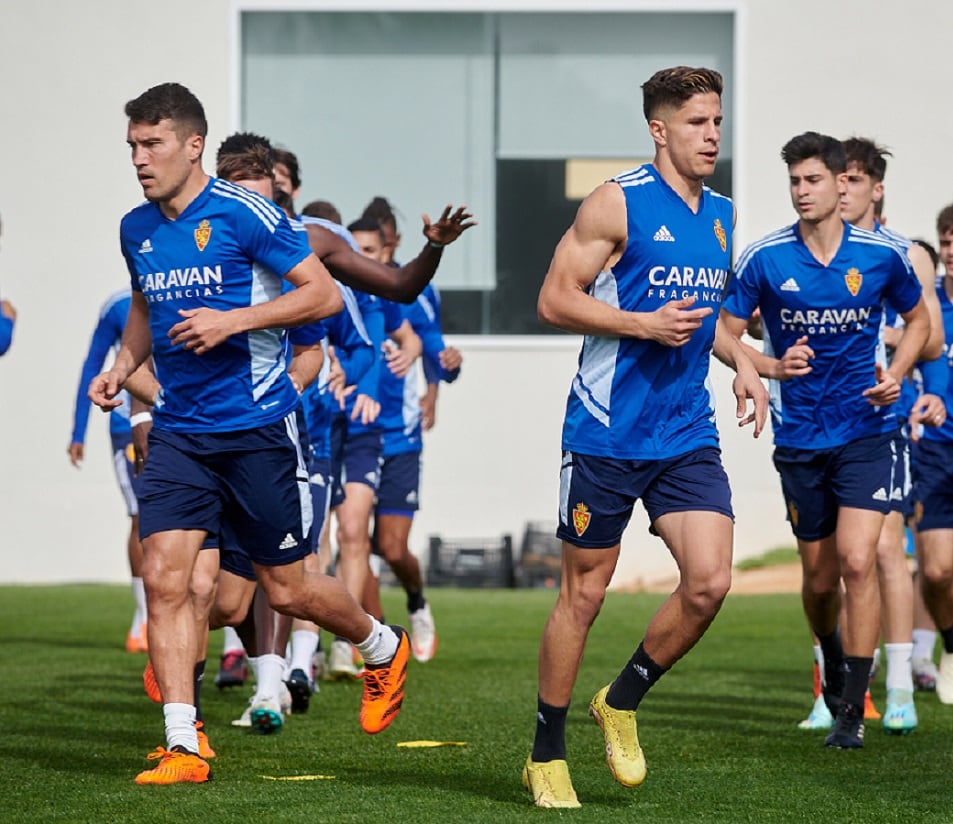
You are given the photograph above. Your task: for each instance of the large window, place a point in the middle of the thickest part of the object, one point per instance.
(517, 115)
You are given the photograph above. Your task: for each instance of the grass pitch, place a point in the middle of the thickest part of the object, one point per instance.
(719, 730)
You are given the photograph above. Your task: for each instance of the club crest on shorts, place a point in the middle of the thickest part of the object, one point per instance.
(202, 234)
(918, 512)
(580, 518)
(853, 279)
(792, 514)
(722, 235)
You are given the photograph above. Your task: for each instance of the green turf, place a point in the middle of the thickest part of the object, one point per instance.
(719, 730)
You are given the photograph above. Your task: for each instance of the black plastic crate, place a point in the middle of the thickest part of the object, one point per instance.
(471, 562)
(540, 562)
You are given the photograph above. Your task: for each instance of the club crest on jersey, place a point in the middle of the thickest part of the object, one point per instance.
(722, 235)
(580, 518)
(853, 279)
(202, 235)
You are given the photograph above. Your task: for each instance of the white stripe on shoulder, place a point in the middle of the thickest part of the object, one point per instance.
(635, 177)
(264, 209)
(776, 238)
(901, 240)
(713, 193)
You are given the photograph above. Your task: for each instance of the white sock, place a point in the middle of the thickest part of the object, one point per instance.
(875, 663)
(139, 616)
(899, 666)
(180, 726)
(304, 643)
(232, 642)
(271, 668)
(380, 646)
(253, 666)
(924, 640)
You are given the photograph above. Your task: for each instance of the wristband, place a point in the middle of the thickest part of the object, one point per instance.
(140, 417)
(434, 245)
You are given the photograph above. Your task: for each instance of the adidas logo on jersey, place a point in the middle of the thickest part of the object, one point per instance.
(663, 234)
(880, 495)
(288, 543)
(146, 246)
(790, 285)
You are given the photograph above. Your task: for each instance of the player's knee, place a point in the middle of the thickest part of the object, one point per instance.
(935, 572)
(857, 566)
(705, 595)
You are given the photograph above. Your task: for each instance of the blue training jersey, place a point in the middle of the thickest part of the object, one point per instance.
(400, 416)
(352, 346)
(937, 379)
(637, 399)
(840, 308)
(105, 339)
(228, 249)
(909, 389)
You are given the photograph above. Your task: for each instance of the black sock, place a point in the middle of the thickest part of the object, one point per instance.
(947, 636)
(636, 678)
(856, 678)
(833, 662)
(550, 741)
(198, 674)
(415, 601)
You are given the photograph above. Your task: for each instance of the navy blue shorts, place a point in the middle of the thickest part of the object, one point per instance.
(901, 484)
(597, 495)
(933, 485)
(361, 463)
(124, 462)
(249, 488)
(817, 482)
(320, 480)
(399, 489)
(338, 435)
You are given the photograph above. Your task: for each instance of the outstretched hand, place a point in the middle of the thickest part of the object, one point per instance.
(449, 226)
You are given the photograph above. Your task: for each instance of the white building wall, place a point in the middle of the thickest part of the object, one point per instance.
(839, 66)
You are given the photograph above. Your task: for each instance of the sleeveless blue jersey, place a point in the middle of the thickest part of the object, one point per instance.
(840, 309)
(226, 250)
(637, 399)
(105, 339)
(937, 377)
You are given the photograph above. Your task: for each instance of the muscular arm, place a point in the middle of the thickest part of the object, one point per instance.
(401, 285)
(305, 365)
(595, 240)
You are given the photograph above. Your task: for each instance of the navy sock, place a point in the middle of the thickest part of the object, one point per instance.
(550, 741)
(856, 678)
(947, 636)
(636, 678)
(415, 601)
(833, 662)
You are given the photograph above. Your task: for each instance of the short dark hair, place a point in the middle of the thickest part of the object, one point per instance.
(672, 87)
(322, 209)
(829, 150)
(365, 224)
(290, 161)
(944, 220)
(379, 209)
(169, 101)
(243, 156)
(871, 158)
(284, 201)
